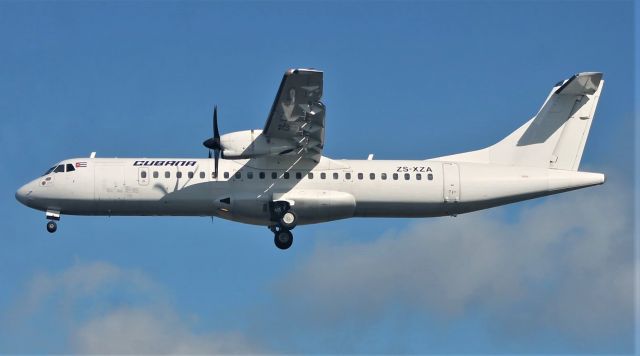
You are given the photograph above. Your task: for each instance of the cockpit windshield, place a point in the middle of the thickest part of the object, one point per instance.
(60, 169)
(49, 170)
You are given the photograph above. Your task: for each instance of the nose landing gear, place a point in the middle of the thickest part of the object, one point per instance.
(52, 215)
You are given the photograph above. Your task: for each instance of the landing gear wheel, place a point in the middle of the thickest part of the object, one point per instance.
(52, 226)
(288, 220)
(283, 239)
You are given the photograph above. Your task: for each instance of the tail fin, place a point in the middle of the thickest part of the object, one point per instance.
(556, 136)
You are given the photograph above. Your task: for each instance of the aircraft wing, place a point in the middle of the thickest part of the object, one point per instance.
(297, 114)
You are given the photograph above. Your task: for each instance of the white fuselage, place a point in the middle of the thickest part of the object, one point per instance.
(318, 192)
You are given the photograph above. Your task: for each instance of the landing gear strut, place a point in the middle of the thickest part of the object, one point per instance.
(286, 221)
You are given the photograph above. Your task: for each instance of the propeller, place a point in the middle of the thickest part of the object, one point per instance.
(213, 143)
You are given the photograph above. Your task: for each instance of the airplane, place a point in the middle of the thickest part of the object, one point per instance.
(277, 177)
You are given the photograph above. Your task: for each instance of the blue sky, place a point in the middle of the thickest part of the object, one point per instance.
(402, 80)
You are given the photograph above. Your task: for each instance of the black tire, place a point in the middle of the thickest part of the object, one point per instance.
(289, 220)
(283, 239)
(52, 226)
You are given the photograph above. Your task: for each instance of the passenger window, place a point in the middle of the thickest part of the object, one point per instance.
(178, 174)
(226, 174)
(155, 174)
(298, 175)
(310, 175)
(347, 176)
(286, 175)
(395, 176)
(261, 175)
(335, 175)
(214, 175)
(323, 175)
(418, 176)
(250, 175)
(430, 176)
(143, 174)
(274, 175)
(190, 175)
(407, 176)
(202, 175)
(372, 176)
(238, 175)
(70, 167)
(360, 176)
(167, 174)
(383, 176)
(59, 169)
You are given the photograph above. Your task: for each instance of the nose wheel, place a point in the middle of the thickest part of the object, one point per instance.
(52, 226)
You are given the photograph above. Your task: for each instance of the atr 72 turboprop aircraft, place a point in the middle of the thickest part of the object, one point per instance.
(277, 177)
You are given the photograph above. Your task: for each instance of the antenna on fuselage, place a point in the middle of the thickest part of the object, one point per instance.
(92, 155)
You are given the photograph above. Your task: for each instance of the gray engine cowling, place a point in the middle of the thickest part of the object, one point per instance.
(252, 143)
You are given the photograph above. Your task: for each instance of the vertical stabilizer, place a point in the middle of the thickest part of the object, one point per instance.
(556, 136)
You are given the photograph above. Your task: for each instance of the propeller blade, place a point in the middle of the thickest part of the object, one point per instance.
(213, 143)
(217, 157)
(216, 133)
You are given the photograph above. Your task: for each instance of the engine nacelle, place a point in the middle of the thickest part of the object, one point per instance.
(252, 143)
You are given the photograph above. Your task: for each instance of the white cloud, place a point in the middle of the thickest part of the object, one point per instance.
(83, 280)
(152, 331)
(140, 321)
(563, 266)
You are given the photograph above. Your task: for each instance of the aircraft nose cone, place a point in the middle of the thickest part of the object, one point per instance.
(22, 194)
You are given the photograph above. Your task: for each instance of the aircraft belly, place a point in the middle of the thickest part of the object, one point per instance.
(397, 205)
(422, 198)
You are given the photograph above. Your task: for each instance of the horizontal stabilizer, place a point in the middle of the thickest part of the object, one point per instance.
(585, 83)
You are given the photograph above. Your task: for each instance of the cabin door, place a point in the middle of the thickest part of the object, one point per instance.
(451, 174)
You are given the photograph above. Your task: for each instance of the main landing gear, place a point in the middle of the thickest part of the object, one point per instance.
(287, 220)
